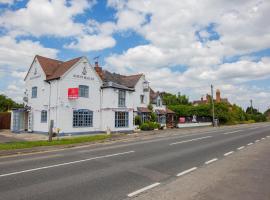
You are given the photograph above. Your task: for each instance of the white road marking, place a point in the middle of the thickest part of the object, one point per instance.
(240, 148)
(257, 141)
(211, 161)
(263, 138)
(229, 153)
(268, 136)
(187, 171)
(63, 164)
(195, 139)
(143, 189)
(249, 144)
(232, 132)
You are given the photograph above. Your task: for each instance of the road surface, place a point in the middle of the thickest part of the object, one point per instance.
(121, 170)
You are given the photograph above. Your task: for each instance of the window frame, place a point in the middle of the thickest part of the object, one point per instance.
(121, 119)
(82, 118)
(34, 94)
(84, 91)
(44, 116)
(142, 98)
(121, 98)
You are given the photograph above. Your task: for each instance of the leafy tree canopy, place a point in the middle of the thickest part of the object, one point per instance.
(7, 103)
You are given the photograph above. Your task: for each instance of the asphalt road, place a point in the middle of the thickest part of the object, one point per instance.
(122, 170)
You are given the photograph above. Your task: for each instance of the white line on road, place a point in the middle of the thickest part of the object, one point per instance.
(187, 171)
(229, 153)
(263, 138)
(249, 144)
(232, 132)
(240, 148)
(67, 163)
(211, 161)
(143, 189)
(268, 136)
(195, 139)
(257, 141)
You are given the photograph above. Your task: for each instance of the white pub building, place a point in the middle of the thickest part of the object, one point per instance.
(79, 98)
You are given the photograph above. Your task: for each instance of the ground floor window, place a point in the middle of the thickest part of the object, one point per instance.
(82, 118)
(43, 116)
(121, 119)
(162, 119)
(145, 117)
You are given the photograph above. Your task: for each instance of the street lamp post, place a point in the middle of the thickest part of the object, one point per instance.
(213, 105)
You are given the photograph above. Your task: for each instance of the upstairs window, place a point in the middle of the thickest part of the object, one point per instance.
(142, 98)
(158, 102)
(83, 91)
(122, 98)
(43, 116)
(34, 92)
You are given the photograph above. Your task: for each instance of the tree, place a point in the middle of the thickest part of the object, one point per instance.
(172, 99)
(7, 103)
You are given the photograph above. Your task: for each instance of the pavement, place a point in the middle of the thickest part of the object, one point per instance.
(126, 169)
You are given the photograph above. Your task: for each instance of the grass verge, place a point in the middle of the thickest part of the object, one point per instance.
(66, 141)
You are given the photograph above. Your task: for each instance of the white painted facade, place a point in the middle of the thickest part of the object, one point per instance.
(52, 96)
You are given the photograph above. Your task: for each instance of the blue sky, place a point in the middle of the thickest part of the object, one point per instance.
(181, 46)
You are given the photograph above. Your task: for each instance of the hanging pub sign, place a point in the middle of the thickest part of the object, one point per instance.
(73, 93)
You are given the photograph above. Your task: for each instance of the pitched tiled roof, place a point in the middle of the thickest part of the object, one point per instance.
(143, 110)
(55, 68)
(127, 81)
(168, 111)
(160, 112)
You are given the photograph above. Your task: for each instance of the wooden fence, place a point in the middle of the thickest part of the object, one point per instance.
(5, 119)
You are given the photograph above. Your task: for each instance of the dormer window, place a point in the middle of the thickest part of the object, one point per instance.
(142, 98)
(145, 86)
(34, 92)
(158, 102)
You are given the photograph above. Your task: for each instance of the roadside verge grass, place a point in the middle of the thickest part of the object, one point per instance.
(65, 141)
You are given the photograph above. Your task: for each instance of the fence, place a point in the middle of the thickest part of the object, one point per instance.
(5, 119)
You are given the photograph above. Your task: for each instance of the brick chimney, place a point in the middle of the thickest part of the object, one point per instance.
(218, 97)
(98, 69)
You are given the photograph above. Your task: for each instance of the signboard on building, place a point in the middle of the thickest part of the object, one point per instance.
(182, 119)
(73, 93)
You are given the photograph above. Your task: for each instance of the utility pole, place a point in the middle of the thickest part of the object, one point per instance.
(251, 106)
(213, 106)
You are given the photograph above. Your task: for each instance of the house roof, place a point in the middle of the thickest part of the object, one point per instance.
(160, 112)
(128, 81)
(143, 110)
(168, 111)
(54, 69)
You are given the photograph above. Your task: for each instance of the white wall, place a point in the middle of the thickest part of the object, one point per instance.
(137, 94)
(66, 106)
(109, 98)
(42, 101)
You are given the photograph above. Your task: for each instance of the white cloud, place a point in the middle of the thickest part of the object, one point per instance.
(43, 17)
(92, 43)
(19, 54)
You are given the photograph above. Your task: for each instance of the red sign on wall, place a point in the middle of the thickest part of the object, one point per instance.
(182, 120)
(73, 93)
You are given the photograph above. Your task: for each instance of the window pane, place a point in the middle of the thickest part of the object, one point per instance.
(82, 118)
(34, 92)
(83, 91)
(122, 98)
(43, 116)
(121, 119)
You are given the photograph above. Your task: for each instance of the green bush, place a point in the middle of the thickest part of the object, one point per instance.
(148, 126)
(138, 120)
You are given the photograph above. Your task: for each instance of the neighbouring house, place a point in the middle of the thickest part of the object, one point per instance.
(207, 100)
(76, 97)
(165, 116)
